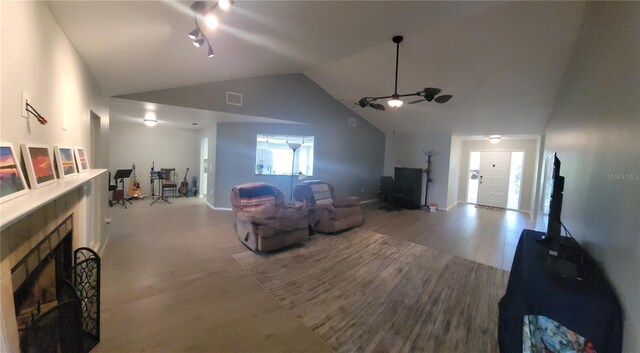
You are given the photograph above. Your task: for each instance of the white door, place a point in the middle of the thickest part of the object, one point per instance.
(493, 185)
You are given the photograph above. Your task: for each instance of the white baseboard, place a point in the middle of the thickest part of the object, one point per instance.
(103, 246)
(368, 201)
(218, 208)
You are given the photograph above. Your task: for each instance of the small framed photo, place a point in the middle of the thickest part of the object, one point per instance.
(12, 183)
(39, 164)
(65, 161)
(81, 159)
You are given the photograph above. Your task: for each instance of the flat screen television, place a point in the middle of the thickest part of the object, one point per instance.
(552, 205)
(554, 186)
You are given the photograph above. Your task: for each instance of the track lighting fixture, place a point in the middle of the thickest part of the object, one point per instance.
(193, 35)
(198, 42)
(203, 12)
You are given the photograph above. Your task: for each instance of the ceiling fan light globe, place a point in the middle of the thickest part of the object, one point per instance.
(395, 102)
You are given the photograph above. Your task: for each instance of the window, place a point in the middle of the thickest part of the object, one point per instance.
(275, 155)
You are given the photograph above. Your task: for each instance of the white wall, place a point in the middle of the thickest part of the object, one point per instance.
(168, 147)
(210, 132)
(38, 58)
(407, 151)
(530, 166)
(594, 128)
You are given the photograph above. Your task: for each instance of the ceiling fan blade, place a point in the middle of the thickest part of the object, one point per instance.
(444, 98)
(364, 102)
(430, 93)
(417, 101)
(376, 106)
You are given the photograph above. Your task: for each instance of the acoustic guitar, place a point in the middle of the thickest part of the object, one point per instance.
(184, 185)
(134, 186)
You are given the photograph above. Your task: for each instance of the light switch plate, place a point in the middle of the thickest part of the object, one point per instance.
(26, 97)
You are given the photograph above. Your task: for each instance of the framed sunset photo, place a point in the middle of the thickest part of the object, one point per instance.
(39, 164)
(81, 159)
(65, 161)
(12, 183)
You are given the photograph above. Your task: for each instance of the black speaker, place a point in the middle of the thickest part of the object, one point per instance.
(409, 183)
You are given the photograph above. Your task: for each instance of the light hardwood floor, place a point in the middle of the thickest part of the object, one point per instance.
(170, 283)
(487, 236)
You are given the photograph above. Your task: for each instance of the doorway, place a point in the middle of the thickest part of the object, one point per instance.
(495, 178)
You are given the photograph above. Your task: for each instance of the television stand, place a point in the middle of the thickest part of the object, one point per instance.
(589, 307)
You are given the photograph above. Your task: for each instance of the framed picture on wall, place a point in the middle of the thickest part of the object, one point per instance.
(65, 161)
(81, 159)
(12, 182)
(39, 164)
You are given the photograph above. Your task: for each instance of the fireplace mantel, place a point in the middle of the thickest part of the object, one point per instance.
(15, 209)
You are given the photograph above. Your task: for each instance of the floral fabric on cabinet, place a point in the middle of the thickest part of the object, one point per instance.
(543, 335)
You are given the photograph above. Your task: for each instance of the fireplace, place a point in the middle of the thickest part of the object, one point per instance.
(36, 275)
(57, 295)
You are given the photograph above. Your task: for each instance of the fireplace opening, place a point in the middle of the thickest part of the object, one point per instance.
(41, 272)
(57, 295)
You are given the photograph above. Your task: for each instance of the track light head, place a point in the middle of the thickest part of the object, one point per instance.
(193, 35)
(198, 42)
(210, 52)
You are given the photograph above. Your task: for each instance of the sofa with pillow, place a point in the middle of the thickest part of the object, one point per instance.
(263, 222)
(328, 214)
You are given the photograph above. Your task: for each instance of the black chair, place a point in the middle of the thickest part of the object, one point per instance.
(390, 194)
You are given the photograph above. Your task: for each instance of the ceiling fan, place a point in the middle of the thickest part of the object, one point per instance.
(428, 94)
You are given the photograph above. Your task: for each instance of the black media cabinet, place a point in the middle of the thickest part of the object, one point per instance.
(587, 306)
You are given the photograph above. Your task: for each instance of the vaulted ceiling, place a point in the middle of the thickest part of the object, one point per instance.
(502, 61)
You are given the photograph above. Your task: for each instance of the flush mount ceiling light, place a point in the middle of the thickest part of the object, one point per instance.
(203, 12)
(427, 94)
(150, 119)
(495, 138)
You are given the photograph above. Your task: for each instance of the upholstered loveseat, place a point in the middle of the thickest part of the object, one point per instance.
(328, 214)
(263, 222)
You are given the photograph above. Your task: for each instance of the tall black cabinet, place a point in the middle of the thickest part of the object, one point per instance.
(409, 183)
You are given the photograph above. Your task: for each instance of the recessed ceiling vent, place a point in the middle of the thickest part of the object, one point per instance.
(234, 98)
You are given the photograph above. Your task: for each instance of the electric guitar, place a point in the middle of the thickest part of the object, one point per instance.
(184, 185)
(134, 186)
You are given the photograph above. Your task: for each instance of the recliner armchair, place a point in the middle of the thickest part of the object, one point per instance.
(263, 222)
(328, 214)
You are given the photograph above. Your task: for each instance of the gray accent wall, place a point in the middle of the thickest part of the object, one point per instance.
(595, 129)
(352, 158)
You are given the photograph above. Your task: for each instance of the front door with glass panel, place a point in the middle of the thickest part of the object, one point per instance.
(493, 183)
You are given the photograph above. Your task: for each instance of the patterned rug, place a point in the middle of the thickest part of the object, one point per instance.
(361, 291)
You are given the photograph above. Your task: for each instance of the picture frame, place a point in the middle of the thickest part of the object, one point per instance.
(65, 161)
(12, 181)
(39, 164)
(82, 160)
